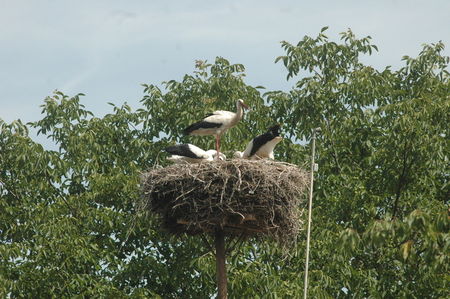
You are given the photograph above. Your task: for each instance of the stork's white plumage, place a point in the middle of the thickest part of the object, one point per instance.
(217, 123)
(238, 154)
(261, 146)
(191, 154)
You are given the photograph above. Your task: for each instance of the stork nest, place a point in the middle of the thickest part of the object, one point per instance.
(244, 198)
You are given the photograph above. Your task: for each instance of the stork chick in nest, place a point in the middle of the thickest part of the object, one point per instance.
(189, 153)
(261, 146)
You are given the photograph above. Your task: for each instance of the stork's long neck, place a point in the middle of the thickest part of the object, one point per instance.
(239, 112)
(238, 115)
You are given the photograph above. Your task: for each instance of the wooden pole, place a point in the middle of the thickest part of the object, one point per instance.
(308, 236)
(221, 270)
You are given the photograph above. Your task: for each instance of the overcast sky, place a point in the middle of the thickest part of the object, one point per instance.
(107, 48)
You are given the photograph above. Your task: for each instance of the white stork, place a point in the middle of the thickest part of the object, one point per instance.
(191, 154)
(261, 146)
(217, 123)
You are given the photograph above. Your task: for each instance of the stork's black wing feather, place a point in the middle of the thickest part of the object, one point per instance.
(181, 150)
(199, 125)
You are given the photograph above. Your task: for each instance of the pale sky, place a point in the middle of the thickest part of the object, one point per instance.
(107, 48)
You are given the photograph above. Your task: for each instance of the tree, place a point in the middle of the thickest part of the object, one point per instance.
(383, 156)
(69, 225)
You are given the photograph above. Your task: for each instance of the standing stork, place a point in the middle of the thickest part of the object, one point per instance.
(191, 154)
(262, 146)
(217, 123)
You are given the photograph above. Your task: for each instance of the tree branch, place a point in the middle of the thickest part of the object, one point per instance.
(333, 146)
(401, 179)
(8, 189)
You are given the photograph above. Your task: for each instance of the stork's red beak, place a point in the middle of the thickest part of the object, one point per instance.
(245, 106)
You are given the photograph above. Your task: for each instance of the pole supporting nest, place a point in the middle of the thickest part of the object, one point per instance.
(308, 236)
(219, 240)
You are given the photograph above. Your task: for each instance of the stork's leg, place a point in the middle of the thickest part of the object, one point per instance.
(218, 147)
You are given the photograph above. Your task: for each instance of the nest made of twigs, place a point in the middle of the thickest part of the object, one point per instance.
(244, 198)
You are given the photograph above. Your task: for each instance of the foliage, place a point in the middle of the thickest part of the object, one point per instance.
(69, 228)
(383, 157)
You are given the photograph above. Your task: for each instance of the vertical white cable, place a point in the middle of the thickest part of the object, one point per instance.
(308, 236)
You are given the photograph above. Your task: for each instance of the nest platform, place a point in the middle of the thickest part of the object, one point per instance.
(241, 197)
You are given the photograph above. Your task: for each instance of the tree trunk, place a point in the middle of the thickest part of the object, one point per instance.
(220, 264)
